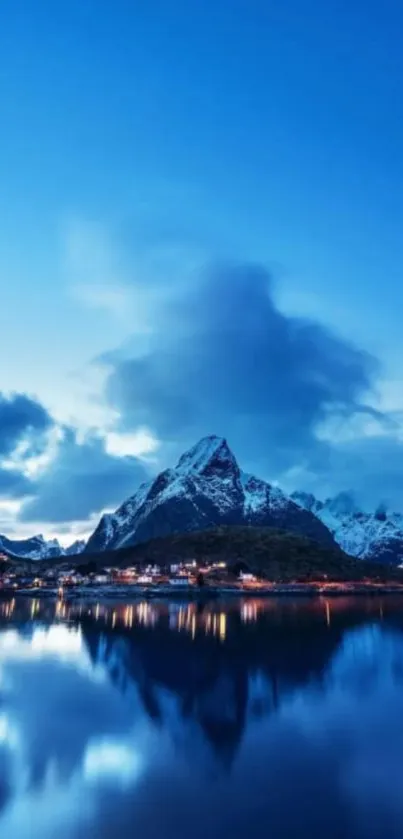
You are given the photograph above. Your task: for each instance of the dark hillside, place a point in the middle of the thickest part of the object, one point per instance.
(278, 555)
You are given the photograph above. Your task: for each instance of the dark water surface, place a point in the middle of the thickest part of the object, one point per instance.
(274, 718)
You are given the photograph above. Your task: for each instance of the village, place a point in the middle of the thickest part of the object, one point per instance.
(89, 578)
(189, 580)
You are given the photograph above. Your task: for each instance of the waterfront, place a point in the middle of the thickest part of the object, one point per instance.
(244, 718)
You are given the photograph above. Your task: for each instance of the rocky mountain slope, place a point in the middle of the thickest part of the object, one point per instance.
(206, 489)
(38, 548)
(375, 536)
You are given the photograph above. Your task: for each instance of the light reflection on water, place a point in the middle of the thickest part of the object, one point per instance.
(189, 617)
(248, 718)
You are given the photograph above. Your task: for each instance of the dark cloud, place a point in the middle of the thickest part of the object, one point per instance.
(82, 479)
(24, 423)
(224, 359)
(23, 420)
(13, 484)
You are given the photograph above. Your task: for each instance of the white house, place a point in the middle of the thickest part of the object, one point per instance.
(245, 577)
(145, 578)
(101, 578)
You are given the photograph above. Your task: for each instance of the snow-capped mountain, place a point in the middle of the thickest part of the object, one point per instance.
(38, 548)
(206, 489)
(376, 536)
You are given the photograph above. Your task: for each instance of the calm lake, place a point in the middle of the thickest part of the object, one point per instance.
(256, 718)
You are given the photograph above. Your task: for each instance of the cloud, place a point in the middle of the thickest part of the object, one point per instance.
(24, 424)
(295, 401)
(371, 467)
(55, 476)
(90, 257)
(115, 300)
(223, 358)
(97, 277)
(14, 484)
(81, 479)
(24, 429)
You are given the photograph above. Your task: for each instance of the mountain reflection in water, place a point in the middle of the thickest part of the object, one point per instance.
(248, 718)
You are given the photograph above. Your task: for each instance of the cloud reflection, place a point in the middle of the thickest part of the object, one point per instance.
(64, 730)
(111, 760)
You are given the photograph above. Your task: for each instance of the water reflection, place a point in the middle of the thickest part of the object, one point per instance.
(250, 718)
(193, 617)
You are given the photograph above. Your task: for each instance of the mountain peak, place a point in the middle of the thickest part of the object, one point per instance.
(211, 454)
(342, 504)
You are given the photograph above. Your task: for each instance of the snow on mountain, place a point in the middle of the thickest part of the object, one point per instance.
(38, 548)
(206, 489)
(376, 536)
(210, 454)
(75, 548)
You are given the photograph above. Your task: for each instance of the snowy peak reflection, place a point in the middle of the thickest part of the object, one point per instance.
(200, 672)
(368, 659)
(226, 666)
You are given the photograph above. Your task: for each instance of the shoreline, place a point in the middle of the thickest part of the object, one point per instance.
(129, 593)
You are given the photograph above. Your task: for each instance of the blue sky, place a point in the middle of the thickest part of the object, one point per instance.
(146, 147)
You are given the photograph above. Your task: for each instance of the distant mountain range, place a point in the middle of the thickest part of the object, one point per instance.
(207, 489)
(36, 547)
(375, 536)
